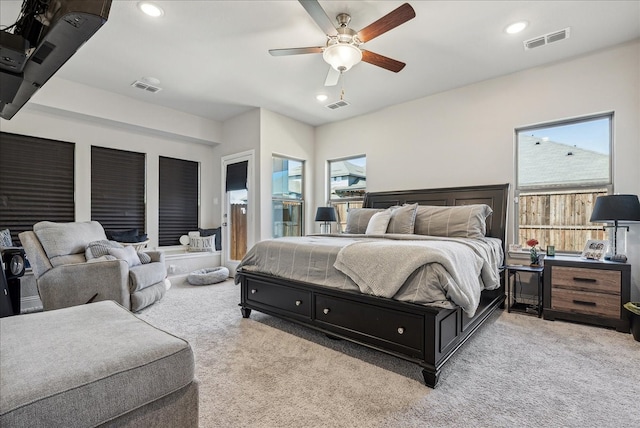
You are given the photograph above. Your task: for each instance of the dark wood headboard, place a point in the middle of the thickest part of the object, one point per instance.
(496, 196)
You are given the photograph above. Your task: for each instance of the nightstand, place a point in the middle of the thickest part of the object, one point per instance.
(587, 291)
(512, 272)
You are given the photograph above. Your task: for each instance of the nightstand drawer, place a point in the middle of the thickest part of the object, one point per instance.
(599, 304)
(593, 280)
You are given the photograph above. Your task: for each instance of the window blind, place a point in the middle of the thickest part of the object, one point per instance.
(36, 182)
(118, 189)
(179, 191)
(237, 176)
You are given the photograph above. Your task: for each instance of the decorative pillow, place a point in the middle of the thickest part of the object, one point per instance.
(402, 219)
(358, 219)
(5, 238)
(128, 254)
(201, 243)
(213, 232)
(378, 223)
(100, 248)
(129, 236)
(144, 258)
(464, 221)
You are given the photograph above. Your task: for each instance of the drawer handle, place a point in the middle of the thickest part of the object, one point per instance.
(254, 291)
(578, 279)
(298, 302)
(400, 330)
(326, 311)
(582, 302)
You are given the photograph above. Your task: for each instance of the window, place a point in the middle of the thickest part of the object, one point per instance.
(562, 168)
(287, 184)
(36, 182)
(179, 198)
(347, 186)
(118, 189)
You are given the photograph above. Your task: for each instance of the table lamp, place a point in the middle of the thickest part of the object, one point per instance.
(326, 215)
(615, 208)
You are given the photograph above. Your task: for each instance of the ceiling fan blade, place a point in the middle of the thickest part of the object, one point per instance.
(382, 61)
(318, 14)
(388, 22)
(333, 76)
(295, 51)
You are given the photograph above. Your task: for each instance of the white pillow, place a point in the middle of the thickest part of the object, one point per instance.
(128, 254)
(378, 223)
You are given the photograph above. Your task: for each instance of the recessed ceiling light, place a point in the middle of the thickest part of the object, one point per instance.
(321, 97)
(516, 27)
(150, 9)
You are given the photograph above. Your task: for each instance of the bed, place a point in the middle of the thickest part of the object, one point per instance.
(391, 320)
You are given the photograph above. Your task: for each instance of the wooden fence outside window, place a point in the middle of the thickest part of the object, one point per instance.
(560, 219)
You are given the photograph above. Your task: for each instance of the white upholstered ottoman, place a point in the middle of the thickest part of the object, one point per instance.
(94, 365)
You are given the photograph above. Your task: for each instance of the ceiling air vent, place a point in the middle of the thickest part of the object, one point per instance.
(337, 105)
(145, 86)
(556, 36)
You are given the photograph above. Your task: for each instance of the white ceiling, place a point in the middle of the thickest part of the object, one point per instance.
(212, 59)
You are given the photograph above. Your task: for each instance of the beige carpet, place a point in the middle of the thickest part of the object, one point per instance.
(516, 371)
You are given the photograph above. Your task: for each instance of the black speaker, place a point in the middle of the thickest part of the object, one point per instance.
(6, 308)
(14, 262)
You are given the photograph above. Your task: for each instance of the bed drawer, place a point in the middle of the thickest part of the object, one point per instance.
(391, 327)
(280, 298)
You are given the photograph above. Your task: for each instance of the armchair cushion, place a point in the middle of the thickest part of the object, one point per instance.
(62, 239)
(69, 259)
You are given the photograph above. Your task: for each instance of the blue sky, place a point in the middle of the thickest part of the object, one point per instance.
(592, 135)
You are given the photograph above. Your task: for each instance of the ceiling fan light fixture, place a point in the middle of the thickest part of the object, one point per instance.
(342, 56)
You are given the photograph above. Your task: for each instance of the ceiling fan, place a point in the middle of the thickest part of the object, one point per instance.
(343, 48)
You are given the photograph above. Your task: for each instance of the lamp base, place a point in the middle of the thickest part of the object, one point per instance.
(325, 228)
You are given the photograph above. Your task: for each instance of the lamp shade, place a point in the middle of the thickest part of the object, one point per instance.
(616, 208)
(326, 214)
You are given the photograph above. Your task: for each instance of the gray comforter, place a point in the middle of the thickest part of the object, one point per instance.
(436, 271)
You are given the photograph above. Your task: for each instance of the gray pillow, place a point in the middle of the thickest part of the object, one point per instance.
(378, 223)
(128, 254)
(402, 219)
(5, 238)
(464, 221)
(100, 248)
(144, 258)
(358, 219)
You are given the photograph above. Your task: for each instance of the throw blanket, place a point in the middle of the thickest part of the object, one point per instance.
(459, 276)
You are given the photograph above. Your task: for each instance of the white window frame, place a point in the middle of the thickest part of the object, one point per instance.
(300, 200)
(522, 190)
(356, 200)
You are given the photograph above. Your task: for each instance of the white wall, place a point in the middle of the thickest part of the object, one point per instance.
(50, 120)
(466, 136)
(281, 135)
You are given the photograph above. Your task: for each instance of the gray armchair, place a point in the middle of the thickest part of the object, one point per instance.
(65, 277)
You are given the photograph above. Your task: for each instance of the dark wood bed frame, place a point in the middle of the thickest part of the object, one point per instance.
(425, 335)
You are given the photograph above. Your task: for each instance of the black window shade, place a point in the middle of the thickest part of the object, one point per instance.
(36, 182)
(118, 189)
(237, 176)
(178, 199)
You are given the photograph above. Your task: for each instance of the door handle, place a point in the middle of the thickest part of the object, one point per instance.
(224, 224)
